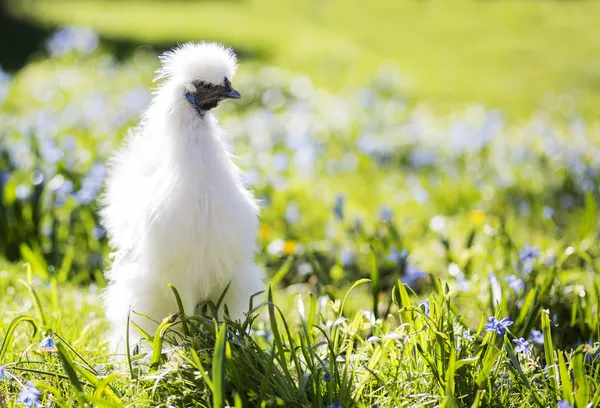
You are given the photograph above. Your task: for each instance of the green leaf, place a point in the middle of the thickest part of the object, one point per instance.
(159, 338)
(549, 350)
(218, 369)
(565, 379)
(10, 330)
(70, 369)
(375, 288)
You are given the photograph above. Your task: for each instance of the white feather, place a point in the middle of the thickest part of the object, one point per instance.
(175, 208)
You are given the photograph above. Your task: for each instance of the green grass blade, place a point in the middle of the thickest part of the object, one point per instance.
(218, 369)
(11, 329)
(71, 371)
(182, 315)
(549, 351)
(375, 286)
(565, 379)
(159, 338)
(283, 271)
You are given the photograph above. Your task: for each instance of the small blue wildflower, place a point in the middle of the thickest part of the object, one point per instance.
(413, 276)
(398, 257)
(548, 212)
(347, 257)
(522, 346)
(529, 253)
(536, 337)
(515, 284)
(338, 206)
(98, 232)
(563, 404)
(30, 397)
(385, 214)
(425, 306)
(335, 405)
(467, 336)
(100, 369)
(327, 377)
(499, 326)
(3, 374)
(48, 345)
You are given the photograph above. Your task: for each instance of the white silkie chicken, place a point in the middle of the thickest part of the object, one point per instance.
(175, 208)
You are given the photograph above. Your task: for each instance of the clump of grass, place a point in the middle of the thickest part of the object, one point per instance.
(421, 353)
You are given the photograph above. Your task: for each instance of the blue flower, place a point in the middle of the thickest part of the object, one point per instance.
(30, 397)
(499, 326)
(467, 336)
(335, 405)
(529, 253)
(398, 257)
(327, 377)
(338, 207)
(385, 214)
(564, 404)
(347, 257)
(413, 276)
(98, 232)
(548, 212)
(48, 345)
(515, 284)
(425, 306)
(536, 337)
(70, 38)
(3, 373)
(522, 346)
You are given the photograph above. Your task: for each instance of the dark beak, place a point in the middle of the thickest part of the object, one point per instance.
(230, 93)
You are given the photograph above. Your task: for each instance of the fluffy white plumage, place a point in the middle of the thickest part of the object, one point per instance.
(175, 208)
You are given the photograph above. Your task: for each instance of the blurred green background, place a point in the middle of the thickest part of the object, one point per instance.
(518, 56)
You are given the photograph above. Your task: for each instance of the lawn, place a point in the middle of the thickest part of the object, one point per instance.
(414, 258)
(512, 55)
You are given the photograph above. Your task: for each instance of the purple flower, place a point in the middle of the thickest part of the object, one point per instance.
(347, 257)
(30, 397)
(327, 377)
(515, 284)
(338, 207)
(563, 404)
(385, 214)
(71, 38)
(499, 326)
(529, 253)
(425, 306)
(467, 336)
(413, 276)
(398, 257)
(522, 346)
(48, 345)
(536, 337)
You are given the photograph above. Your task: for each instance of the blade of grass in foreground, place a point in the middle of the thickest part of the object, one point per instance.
(549, 351)
(218, 368)
(11, 328)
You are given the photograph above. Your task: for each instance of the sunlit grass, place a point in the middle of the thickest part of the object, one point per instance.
(513, 55)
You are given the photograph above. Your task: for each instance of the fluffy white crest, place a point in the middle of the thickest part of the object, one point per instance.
(205, 61)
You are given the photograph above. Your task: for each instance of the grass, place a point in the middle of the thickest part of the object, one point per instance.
(392, 238)
(512, 55)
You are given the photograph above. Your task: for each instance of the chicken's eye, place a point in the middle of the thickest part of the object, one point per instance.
(191, 97)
